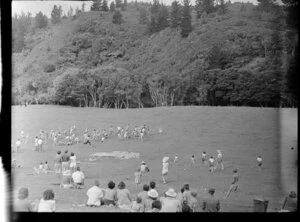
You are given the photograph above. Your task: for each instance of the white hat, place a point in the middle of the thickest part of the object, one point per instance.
(171, 193)
(143, 162)
(165, 159)
(152, 193)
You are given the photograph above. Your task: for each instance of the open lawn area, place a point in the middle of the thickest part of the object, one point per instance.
(242, 133)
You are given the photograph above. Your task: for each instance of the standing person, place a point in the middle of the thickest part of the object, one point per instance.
(46, 167)
(78, 178)
(211, 164)
(40, 144)
(234, 184)
(123, 197)
(290, 202)
(203, 158)
(73, 164)
(57, 162)
(41, 168)
(65, 160)
(259, 162)
(110, 194)
(137, 175)
(193, 161)
(165, 168)
(180, 196)
(187, 193)
(21, 202)
(176, 159)
(219, 160)
(36, 144)
(18, 145)
(95, 195)
(47, 203)
(86, 139)
(211, 204)
(170, 203)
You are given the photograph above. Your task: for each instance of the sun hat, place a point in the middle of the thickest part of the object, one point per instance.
(171, 192)
(143, 162)
(152, 193)
(165, 159)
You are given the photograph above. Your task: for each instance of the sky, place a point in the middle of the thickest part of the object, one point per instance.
(46, 6)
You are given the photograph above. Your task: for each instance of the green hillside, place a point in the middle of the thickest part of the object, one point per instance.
(239, 57)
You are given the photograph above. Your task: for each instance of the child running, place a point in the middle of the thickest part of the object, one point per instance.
(193, 161)
(219, 160)
(204, 158)
(165, 168)
(259, 162)
(211, 163)
(234, 184)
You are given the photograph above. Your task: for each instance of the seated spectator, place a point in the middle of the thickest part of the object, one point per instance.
(152, 196)
(156, 206)
(21, 202)
(170, 203)
(185, 207)
(67, 181)
(187, 193)
(193, 201)
(137, 206)
(95, 195)
(47, 203)
(110, 195)
(78, 178)
(143, 195)
(290, 202)
(123, 197)
(180, 196)
(211, 204)
(152, 186)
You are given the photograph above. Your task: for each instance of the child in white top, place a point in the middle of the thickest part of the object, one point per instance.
(176, 159)
(73, 164)
(95, 195)
(259, 162)
(137, 205)
(203, 158)
(144, 168)
(46, 167)
(18, 145)
(219, 160)
(40, 144)
(165, 168)
(211, 163)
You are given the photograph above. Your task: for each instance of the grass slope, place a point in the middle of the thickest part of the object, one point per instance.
(241, 133)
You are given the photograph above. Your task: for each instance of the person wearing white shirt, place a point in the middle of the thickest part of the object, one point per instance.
(95, 195)
(211, 164)
(40, 145)
(18, 145)
(165, 168)
(259, 162)
(78, 178)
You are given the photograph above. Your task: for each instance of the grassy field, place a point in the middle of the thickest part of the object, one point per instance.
(241, 133)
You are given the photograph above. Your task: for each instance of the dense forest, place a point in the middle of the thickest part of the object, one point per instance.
(134, 55)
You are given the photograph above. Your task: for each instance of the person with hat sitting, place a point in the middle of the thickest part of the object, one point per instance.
(290, 202)
(165, 168)
(152, 196)
(211, 204)
(170, 203)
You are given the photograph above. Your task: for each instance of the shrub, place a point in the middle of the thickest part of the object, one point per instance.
(49, 68)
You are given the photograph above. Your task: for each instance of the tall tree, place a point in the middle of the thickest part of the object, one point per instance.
(112, 7)
(163, 17)
(41, 20)
(175, 15)
(104, 6)
(125, 3)
(222, 7)
(186, 20)
(56, 14)
(199, 8)
(154, 10)
(117, 17)
(96, 6)
(118, 3)
(208, 6)
(143, 19)
(83, 7)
